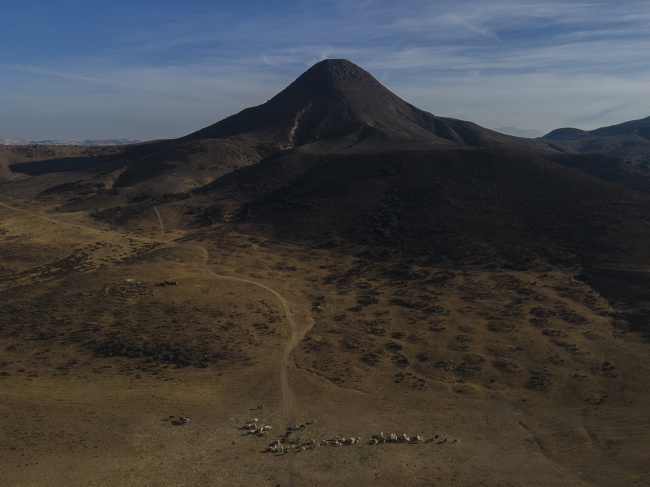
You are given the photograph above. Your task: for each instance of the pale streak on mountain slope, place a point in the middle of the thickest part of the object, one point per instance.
(294, 128)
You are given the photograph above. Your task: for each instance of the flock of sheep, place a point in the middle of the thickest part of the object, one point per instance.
(290, 442)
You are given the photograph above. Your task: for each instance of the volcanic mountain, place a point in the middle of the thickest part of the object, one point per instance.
(336, 99)
(334, 104)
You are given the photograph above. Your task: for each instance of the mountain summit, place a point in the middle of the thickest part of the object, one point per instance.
(332, 70)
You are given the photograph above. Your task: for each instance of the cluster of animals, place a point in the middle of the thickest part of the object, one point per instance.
(181, 421)
(404, 438)
(253, 428)
(290, 442)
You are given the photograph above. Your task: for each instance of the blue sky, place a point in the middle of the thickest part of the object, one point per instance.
(160, 69)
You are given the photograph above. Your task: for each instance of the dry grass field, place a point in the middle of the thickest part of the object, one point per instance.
(108, 336)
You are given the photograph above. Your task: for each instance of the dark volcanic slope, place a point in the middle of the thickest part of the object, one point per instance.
(471, 205)
(175, 166)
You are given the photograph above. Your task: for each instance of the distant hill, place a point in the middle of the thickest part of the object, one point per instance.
(637, 127)
(93, 142)
(567, 133)
(350, 164)
(629, 141)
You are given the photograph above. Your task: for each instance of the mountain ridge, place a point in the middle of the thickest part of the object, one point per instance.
(628, 141)
(639, 127)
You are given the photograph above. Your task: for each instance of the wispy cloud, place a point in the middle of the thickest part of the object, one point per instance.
(538, 64)
(50, 73)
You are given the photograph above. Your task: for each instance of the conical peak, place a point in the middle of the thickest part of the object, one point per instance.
(335, 70)
(331, 100)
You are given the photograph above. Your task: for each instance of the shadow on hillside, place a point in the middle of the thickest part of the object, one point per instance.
(65, 164)
(629, 291)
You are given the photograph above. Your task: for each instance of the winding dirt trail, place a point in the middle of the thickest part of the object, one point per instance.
(284, 377)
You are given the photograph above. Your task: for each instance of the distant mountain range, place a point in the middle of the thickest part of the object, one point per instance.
(69, 142)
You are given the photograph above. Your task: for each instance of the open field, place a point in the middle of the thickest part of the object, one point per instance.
(108, 336)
